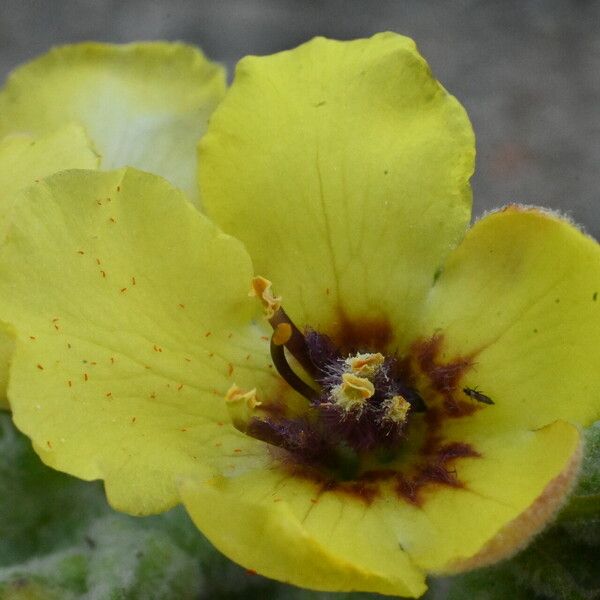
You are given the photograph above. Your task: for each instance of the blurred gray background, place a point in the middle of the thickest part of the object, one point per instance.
(527, 71)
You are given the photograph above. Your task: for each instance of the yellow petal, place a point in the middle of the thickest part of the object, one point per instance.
(132, 320)
(504, 497)
(344, 168)
(280, 526)
(23, 160)
(144, 105)
(365, 536)
(521, 298)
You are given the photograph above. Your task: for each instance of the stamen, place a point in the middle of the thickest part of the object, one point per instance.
(352, 394)
(282, 334)
(295, 342)
(365, 365)
(289, 335)
(261, 288)
(242, 406)
(281, 364)
(396, 409)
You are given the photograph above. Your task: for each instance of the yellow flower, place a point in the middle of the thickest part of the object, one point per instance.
(410, 407)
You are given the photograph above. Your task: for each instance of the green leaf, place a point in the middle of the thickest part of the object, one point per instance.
(583, 507)
(485, 584)
(40, 510)
(59, 538)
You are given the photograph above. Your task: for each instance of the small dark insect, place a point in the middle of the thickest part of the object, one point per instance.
(476, 395)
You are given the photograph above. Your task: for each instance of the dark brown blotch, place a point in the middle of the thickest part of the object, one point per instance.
(435, 468)
(363, 490)
(444, 376)
(360, 335)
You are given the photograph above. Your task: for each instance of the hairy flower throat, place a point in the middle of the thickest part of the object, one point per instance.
(355, 403)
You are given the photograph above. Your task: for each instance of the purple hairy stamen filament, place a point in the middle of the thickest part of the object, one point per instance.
(371, 428)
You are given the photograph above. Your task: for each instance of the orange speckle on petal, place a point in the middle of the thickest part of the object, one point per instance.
(103, 273)
(32, 337)
(156, 349)
(133, 419)
(229, 369)
(264, 337)
(80, 252)
(187, 359)
(49, 444)
(133, 281)
(123, 290)
(111, 219)
(85, 377)
(180, 387)
(98, 262)
(181, 305)
(40, 367)
(237, 450)
(118, 188)
(70, 383)
(108, 394)
(207, 334)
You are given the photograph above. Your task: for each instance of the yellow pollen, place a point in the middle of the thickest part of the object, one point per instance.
(396, 409)
(282, 334)
(353, 393)
(241, 405)
(365, 365)
(261, 288)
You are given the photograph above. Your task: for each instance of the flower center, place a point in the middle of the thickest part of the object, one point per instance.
(358, 407)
